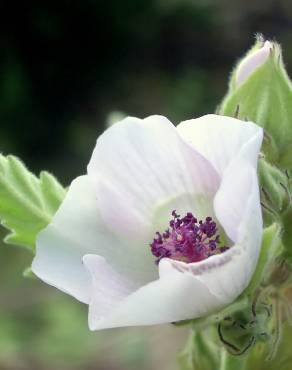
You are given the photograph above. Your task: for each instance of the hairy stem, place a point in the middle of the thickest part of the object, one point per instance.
(231, 362)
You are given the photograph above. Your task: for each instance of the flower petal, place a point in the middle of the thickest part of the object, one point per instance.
(222, 139)
(109, 287)
(173, 297)
(252, 62)
(77, 229)
(137, 164)
(228, 274)
(238, 198)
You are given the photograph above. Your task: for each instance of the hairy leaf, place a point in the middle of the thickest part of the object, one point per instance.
(27, 203)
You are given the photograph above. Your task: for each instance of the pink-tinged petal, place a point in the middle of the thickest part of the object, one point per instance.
(252, 62)
(173, 297)
(108, 286)
(77, 229)
(222, 139)
(138, 165)
(226, 275)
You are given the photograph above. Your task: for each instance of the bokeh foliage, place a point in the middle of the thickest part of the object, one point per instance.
(64, 67)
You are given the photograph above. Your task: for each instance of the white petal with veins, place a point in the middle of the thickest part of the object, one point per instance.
(223, 139)
(97, 246)
(139, 164)
(171, 298)
(77, 229)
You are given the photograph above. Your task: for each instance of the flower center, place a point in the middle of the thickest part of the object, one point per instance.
(187, 239)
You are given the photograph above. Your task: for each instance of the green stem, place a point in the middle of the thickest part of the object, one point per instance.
(230, 362)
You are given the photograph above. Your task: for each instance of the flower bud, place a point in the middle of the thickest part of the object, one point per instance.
(276, 200)
(260, 91)
(252, 61)
(275, 192)
(240, 331)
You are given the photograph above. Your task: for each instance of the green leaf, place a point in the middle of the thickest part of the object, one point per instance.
(27, 203)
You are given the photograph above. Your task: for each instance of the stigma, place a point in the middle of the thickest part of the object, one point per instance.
(187, 239)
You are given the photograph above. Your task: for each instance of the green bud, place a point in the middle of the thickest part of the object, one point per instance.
(287, 233)
(280, 273)
(275, 192)
(260, 91)
(240, 332)
(276, 200)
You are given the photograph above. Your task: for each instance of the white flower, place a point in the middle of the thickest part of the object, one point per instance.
(252, 62)
(97, 247)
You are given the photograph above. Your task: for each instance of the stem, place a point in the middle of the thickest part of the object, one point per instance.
(231, 362)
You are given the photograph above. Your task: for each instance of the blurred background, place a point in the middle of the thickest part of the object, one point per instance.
(66, 69)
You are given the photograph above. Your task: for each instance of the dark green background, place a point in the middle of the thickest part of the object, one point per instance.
(64, 67)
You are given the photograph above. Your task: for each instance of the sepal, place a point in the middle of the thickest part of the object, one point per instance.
(265, 97)
(200, 352)
(275, 191)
